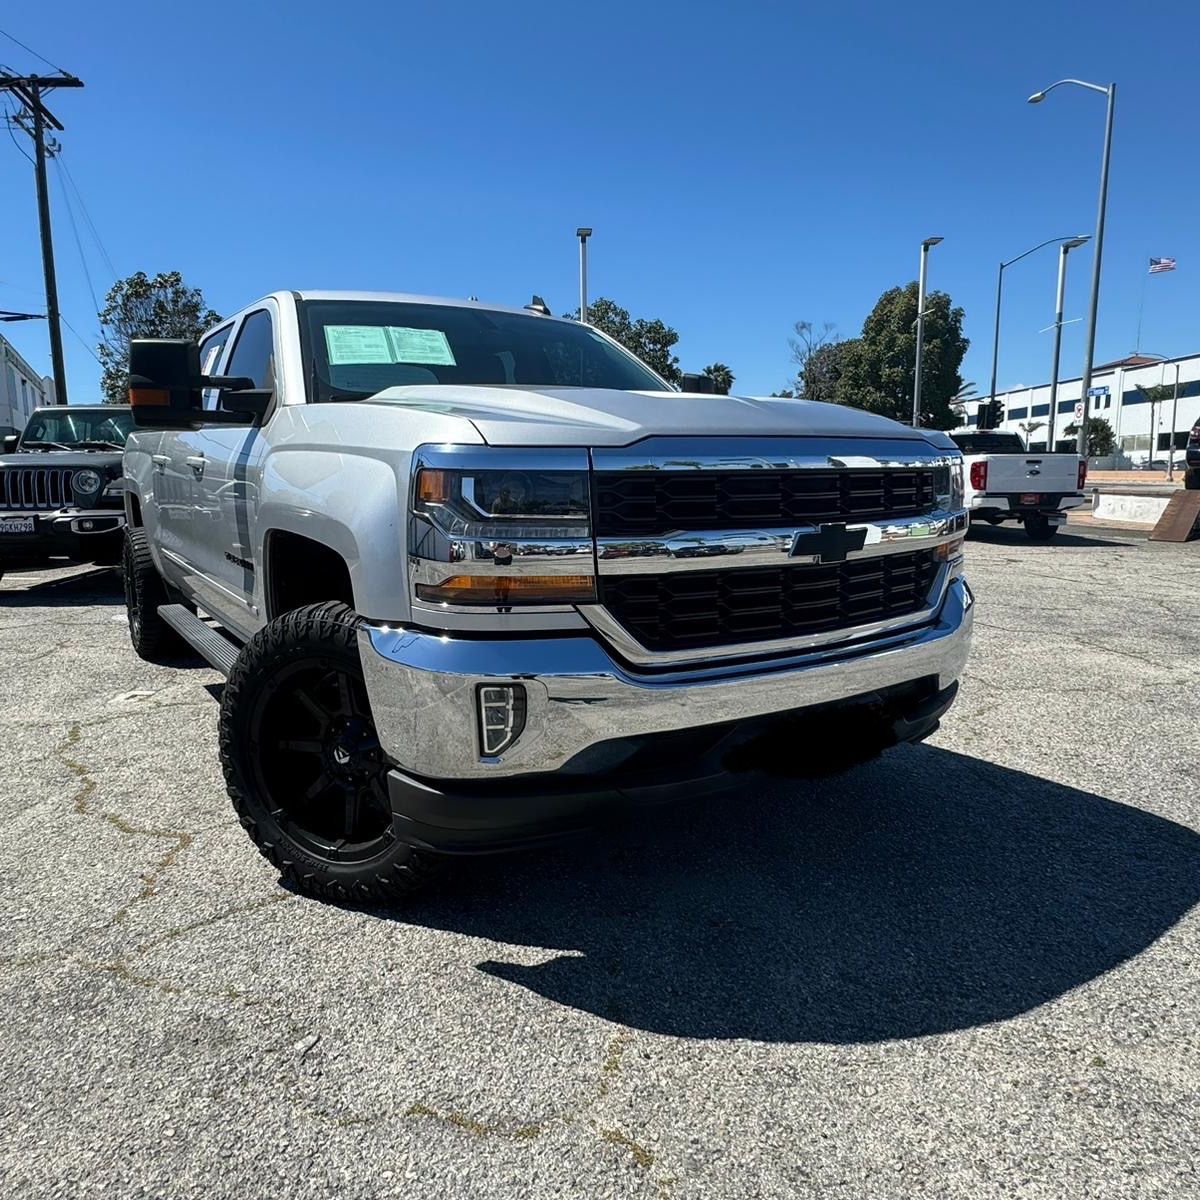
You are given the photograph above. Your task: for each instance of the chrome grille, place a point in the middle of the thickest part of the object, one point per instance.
(646, 503)
(39, 488)
(684, 610)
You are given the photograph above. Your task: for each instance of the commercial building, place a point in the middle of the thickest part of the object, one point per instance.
(22, 389)
(1142, 427)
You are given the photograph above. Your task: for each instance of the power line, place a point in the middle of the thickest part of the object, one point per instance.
(84, 344)
(32, 51)
(8, 124)
(87, 216)
(75, 232)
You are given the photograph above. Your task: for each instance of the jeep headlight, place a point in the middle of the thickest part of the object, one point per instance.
(500, 528)
(86, 482)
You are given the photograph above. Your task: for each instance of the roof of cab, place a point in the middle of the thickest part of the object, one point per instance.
(408, 298)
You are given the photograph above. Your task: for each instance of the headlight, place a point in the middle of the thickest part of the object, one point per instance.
(86, 482)
(495, 528)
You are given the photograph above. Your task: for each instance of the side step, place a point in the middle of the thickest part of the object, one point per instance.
(215, 648)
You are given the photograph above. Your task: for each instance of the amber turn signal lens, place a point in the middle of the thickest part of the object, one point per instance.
(948, 550)
(149, 397)
(510, 589)
(433, 487)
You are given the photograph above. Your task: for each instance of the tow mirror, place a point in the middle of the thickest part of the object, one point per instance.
(164, 382)
(697, 383)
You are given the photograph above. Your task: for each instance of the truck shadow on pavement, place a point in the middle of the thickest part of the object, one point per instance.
(23, 588)
(1007, 535)
(924, 893)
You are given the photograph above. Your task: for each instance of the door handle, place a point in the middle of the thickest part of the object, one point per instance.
(160, 461)
(196, 462)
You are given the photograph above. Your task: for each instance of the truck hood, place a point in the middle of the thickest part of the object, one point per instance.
(572, 416)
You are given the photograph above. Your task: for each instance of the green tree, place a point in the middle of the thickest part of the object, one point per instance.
(876, 371)
(651, 340)
(824, 368)
(1101, 440)
(721, 376)
(139, 307)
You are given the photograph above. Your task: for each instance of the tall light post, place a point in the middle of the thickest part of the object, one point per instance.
(1090, 346)
(1064, 250)
(916, 413)
(999, 294)
(583, 233)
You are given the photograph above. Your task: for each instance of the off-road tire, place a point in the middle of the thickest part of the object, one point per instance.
(153, 639)
(1191, 480)
(1039, 529)
(324, 633)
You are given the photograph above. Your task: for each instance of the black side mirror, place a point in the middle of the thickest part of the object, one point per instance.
(164, 382)
(697, 383)
(9, 444)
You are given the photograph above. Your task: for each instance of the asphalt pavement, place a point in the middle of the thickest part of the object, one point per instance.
(969, 969)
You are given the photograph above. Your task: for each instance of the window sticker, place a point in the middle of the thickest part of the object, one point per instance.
(420, 346)
(357, 344)
(390, 344)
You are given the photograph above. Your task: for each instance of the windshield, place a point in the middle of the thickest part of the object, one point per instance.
(988, 443)
(360, 347)
(71, 428)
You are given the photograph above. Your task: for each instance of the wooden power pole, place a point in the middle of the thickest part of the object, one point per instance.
(29, 89)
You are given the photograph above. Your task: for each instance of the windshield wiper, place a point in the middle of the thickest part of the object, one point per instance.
(104, 443)
(52, 445)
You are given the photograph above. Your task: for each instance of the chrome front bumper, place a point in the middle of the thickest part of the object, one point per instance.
(423, 689)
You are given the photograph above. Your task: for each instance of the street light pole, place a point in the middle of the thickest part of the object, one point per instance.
(999, 295)
(583, 234)
(1060, 296)
(1094, 304)
(1174, 418)
(916, 412)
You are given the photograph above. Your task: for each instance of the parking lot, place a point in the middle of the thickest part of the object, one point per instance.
(969, 969)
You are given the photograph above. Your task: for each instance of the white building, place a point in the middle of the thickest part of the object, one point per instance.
(22, 389)
(1138, 429)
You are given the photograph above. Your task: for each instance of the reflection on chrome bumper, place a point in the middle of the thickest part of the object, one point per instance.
(423, 689)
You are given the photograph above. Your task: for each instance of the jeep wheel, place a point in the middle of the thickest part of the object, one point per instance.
(152, 638)
(1191, 479)
(1039, 528)
(303, 763)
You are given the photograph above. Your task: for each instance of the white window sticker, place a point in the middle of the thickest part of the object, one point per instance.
(420, 346)
(357, 344)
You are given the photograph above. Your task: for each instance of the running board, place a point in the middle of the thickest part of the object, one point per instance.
(215, 648)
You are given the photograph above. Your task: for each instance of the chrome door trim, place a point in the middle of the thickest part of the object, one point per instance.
(630, 649)
(726, 549)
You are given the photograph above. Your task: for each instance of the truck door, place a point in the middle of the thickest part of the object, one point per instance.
(225, 461)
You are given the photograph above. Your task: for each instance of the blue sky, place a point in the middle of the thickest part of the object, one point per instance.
(744, 165)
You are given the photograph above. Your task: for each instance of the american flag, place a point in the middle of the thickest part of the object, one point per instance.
(1161, 264)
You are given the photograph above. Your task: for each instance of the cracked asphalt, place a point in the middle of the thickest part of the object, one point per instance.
(969, 969)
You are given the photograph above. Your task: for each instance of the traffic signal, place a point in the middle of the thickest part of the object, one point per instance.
(990, 415)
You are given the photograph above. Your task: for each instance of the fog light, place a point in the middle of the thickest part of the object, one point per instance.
(501, 716)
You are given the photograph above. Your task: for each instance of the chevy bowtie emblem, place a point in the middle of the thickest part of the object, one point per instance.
(827, 543)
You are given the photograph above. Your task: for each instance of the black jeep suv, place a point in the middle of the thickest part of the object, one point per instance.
(60, 486)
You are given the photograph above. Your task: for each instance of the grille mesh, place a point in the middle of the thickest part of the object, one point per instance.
(36, 488)
(697, 609)
(647, 503)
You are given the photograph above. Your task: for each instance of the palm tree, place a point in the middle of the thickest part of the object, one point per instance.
(721, 376)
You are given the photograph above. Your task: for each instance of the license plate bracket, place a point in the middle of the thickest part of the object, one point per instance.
(17, 525)
(1031, 498)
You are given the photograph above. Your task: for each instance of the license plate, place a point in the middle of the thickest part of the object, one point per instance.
(1031, 497)
(16, 525)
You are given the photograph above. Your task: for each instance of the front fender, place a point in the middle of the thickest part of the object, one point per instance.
(351, 503)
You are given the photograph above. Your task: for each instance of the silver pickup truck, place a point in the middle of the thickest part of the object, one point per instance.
(476, 575)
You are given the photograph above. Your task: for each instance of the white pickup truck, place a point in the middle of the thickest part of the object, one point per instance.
(476, 574)
(1007, 482)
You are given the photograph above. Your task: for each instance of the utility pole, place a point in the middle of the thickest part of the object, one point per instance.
(29, 89)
